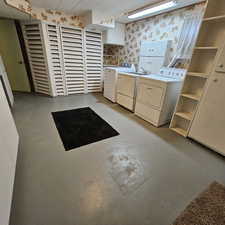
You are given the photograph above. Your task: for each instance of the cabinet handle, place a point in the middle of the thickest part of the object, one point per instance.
(221, 65)
(149, 88)
(215, 80)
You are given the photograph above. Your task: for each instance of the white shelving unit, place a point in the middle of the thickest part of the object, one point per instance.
(205, 56)
(64, 60)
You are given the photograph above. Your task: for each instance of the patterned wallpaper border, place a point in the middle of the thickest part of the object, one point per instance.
(48, 15)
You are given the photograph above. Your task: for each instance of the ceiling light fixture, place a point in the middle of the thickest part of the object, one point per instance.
(152, 10)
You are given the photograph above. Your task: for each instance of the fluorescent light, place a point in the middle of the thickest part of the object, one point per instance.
(153, 10)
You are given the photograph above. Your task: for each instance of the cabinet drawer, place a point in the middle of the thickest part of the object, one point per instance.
(152, 64)
(125, 101)
(126, 85)
(154, 48)
(147, 113)
(150, 95)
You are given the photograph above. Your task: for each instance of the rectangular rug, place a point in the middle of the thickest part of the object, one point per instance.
(80, 127)
(207, 209)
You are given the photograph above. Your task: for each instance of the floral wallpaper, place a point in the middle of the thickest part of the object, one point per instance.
(22, 5)
(56, 17)
(166, 26)
(46, 14)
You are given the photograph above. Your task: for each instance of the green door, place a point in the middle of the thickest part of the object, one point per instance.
(12, 56)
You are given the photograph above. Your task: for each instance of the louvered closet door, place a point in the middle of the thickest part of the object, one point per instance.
(55, 59)
(93, 44)
(37, 57)
(73, 59)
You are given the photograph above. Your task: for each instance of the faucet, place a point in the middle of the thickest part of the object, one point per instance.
(144, 71)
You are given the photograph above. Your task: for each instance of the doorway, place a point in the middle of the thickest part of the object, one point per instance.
(10, 50)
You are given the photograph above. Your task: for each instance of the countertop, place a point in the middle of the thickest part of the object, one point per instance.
(152, 77)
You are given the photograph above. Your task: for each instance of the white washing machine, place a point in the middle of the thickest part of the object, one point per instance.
(110, 80)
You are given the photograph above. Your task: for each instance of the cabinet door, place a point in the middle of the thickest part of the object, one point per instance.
(209, 124)
(110, 84)
(126, 85)
(154, 48)
(151, 95)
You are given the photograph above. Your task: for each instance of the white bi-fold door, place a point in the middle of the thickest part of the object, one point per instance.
(73, 59)
(93, 60)
(64, 59)
(37, 53)
(55, 59)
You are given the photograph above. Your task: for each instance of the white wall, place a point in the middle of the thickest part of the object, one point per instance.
(9, 140)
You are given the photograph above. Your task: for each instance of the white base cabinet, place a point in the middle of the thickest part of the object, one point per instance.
(110, 84)
(126, 88)
(156, 100)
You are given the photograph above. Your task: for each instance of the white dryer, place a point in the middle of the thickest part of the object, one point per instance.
(157, 95)
(110, 81)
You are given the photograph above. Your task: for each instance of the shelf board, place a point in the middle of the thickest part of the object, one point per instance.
(193, 74)
(180, 131)
(206, 48)
(222, 17)
(191, 96)
(185, 115)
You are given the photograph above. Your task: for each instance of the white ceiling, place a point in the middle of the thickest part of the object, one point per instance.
(108, 7)
(9, 12)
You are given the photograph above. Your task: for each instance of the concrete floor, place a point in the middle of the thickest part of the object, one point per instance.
(83, 187)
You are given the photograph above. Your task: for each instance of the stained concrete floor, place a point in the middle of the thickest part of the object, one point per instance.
(85, 186)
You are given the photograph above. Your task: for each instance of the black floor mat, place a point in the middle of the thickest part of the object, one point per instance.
(81, 127)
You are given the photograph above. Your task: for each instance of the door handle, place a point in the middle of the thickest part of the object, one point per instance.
(20, 62)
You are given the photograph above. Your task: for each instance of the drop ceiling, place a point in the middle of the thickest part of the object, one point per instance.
(78, 7)
(106, 8)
